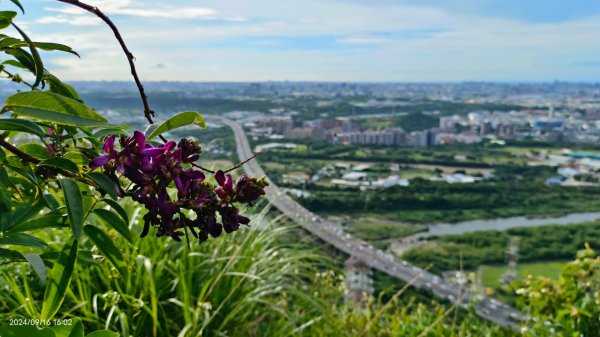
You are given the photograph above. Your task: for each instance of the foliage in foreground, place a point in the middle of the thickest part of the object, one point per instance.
(258, 282)
(51, 142)
(569, 306)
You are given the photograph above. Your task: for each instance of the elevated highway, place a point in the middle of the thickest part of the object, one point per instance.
(332, 233)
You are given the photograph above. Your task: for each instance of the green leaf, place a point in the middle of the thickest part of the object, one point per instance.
(25, 330)
(49, 46)
(23, 57)
(72, 330)
(21, 214)
(38, 266)
(11, 255)
(105, 183)
(51, 107)
(177, 121)
(106, 245)
(35, 150)
(83, 256)
(23, 125)
(115, 205)
(6, 18)
(18, 4)
(59, 280)
(11, 42)
(21, 239)
(115, 222)
(74, 203)
(37, 59)
(45, 221)
(59, 87)
(103, 333)
(60, 163)
(14, 63)
(110, 131)
(77, 158)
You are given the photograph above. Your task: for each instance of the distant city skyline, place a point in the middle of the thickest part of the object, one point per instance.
(327, 40)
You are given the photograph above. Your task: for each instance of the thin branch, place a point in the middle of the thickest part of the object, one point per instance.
(148, 113)
(242, 163)
(17, 79)
(203, 168)
(229, 169)
(130, 58)
(24, 156)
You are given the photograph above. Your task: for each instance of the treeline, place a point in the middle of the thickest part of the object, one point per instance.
(553, 242)
(344, 153)
(425, 201)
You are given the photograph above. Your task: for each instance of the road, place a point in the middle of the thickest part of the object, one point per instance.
(332, 233)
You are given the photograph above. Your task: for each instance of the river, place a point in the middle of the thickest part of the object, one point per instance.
(506, 223)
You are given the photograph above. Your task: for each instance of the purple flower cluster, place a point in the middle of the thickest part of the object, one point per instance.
(153, 169)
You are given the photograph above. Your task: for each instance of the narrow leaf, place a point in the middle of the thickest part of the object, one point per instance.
(10, 255)
(115, 205)
(23, 125)
(105, 183)
(115, 222)
(60, 163)
(18, 4)
(43, 222)
(106, 245)
(49, 46)
(177, 121)
(59, 280)
(74, 203)
(38, 266)
(21, 239)
(37, 59)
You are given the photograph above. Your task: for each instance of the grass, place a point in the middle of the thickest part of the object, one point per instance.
(491, 274)
(261, 281)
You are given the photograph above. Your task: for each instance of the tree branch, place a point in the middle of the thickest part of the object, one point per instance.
(24, 156)
(148, 113)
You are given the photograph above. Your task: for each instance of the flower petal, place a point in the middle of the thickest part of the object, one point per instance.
(152, 151)
(140, 138)
(220, 177)
(109, 145)
(99, 161)
(228, 184)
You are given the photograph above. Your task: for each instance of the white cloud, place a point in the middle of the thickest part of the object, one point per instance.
(71, 20)
(138, 9)
(363, 40)
(451, 47)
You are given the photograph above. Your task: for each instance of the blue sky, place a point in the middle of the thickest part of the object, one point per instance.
(326, 40)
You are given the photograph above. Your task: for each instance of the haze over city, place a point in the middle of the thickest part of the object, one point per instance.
(333, 40)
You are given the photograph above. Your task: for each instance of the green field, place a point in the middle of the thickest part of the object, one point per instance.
(380, 232)
(491, 274)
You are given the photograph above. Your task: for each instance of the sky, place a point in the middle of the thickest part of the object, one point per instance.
(324, 40)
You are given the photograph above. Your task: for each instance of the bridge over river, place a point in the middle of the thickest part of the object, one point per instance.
(332, 233)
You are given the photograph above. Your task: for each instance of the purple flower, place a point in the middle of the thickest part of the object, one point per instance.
(109, 153)
(152, 170)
